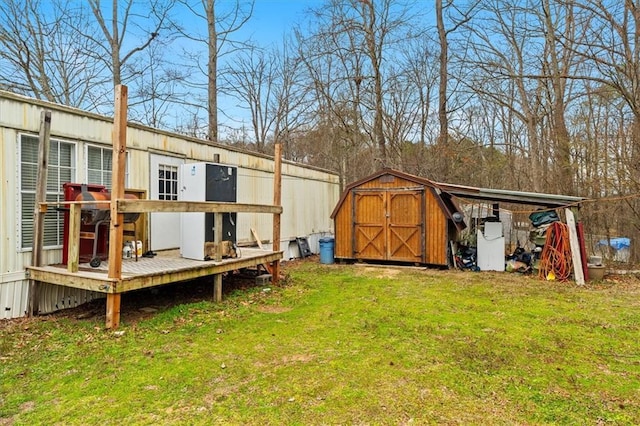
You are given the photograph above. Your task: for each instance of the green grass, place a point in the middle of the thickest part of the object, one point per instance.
(341, 345)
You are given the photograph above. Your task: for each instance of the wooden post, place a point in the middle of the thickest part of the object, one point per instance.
(217, 287)
(73, 254)
(38, 213)
(277, 201)
(113, 310)
(116, 227)
(217, 238)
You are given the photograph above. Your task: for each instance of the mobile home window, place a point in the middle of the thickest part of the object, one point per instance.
(99, 161)
(62, 168)
(99, 165)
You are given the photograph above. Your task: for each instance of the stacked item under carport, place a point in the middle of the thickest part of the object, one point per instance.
(541, 221)
(525, 261)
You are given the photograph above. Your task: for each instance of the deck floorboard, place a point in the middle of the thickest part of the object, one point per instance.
(164, 268)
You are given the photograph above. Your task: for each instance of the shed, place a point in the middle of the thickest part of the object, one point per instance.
(395, 216)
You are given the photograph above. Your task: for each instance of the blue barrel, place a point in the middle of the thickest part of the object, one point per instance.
(326, 250)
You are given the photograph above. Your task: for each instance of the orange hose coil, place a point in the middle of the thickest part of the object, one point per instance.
(556, 253)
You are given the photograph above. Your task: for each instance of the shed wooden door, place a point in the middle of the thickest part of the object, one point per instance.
(389, 225)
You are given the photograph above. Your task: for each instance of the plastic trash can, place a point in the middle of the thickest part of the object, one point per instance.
(326, 250)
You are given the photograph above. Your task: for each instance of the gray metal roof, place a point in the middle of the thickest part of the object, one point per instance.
(507, 196)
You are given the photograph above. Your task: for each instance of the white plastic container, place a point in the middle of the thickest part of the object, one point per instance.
(127, 250)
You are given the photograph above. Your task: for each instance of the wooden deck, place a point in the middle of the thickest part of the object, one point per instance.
(166, 267)
(118, 275)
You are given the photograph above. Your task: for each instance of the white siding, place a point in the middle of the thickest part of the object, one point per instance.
(55, 297)
(13, 299)
(308, 194)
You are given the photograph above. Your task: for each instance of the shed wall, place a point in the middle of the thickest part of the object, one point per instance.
(308, 194)
(343, 222)
(436, 231)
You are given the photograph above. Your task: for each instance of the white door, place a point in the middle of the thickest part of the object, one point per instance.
(165, 227)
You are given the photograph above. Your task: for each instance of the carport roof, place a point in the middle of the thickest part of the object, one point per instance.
(507, 196)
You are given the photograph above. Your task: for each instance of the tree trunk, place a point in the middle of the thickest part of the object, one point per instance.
(559, 132)
(442, 94)
(212, 72)
(115, 46)
(374, 51)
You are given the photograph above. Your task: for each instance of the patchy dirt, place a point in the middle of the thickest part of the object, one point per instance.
(380, 272)
(268, 309)
(622, 282)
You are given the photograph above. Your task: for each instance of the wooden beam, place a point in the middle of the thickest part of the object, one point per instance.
(266, 266)
(578, 273)
(38, 215)
(257, 238)
(155, 206)
(116, 226)
(95, 282)
(73, 254)
(277, 201)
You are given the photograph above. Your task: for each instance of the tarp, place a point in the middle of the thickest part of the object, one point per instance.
(616, 243)
(543, 217)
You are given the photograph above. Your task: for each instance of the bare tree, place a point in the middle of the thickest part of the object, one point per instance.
(444, 33)
(221, 20)
(557, 23)
(40, 55)
(506, 70)
(334, 76)
(421, 71)
(444, 74)
(149, 18)
(611, 46)
(253, 77)
(268, 85)
(290, 104)
(346, 51)
(158, 93)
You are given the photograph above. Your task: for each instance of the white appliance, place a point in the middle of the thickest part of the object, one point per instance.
(491, 247)
(205, 182)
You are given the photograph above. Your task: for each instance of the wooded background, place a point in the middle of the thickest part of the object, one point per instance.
(527, 95)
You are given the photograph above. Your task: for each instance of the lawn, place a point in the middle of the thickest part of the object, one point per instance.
(338, 344)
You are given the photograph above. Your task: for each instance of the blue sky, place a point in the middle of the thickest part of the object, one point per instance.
(270, 22)
(274, 18)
